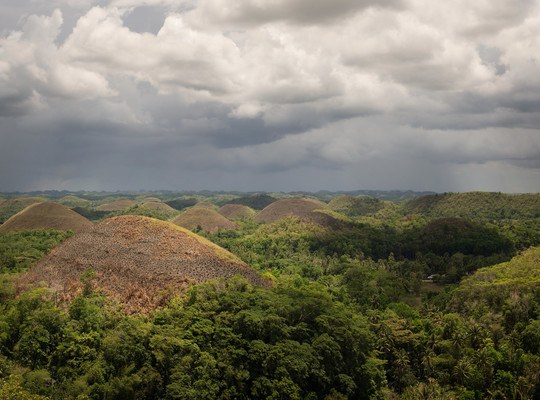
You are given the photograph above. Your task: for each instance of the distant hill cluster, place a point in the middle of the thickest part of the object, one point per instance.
(203, 295)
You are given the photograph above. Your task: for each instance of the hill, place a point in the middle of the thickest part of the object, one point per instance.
(204, 218)
(158, 206)
(117, 205)
(510, 286)
(236, 211)
(355, 206)
(256, 201)
(138, 261)
(308, 210)
(476, 205)
(11, 207)
(47, 216)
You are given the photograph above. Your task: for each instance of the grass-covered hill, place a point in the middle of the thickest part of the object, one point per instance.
(138, 261)
(10, 207)
(204, 218)
(46, 216)
(512, 285)
(476, 205)
(236, 211)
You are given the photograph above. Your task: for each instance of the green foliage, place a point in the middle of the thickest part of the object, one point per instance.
(348, 316)
(18, 251)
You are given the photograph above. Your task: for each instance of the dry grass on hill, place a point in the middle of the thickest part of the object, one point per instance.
(118, 205)
(236, 211)
(205, 218)
(138, 261)
(47, 216)
(296, 207)
(307, 210)
(9, 207)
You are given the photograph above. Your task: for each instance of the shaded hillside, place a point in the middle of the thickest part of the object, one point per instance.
(117, 205)
(47, 216)
(255, 201)
(236, 211)
(11, 207)
(480, 205)
(355, 206)
(138, 261)
(180, 204)
(203, 218)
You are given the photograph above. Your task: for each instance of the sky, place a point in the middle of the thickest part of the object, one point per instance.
(270, 95)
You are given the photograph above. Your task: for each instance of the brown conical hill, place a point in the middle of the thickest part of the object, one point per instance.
(117, 205)
(294, 207)
(205, 218)
(47, 216)
(138, 261)
(10, 207)
(158, 206)
(308, 210)
(236, 211)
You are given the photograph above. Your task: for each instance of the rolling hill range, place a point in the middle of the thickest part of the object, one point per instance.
(480, 205)
(138, 261)
(47, 216)
(205, 218)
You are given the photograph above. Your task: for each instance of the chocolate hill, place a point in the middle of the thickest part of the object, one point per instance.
(158, 206)
(11, 207)
(205, 218)
(117, 205)
(236, 211)
(296, 207)
(138, 261)
(47, 216)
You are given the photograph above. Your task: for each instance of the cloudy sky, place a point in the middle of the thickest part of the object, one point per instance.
(270, 94)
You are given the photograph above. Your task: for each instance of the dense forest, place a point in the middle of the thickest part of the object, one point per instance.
(434, 297)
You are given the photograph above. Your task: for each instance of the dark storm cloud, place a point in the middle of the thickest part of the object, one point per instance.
(277, 95)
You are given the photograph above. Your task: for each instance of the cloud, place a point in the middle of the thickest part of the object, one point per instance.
(308, 93)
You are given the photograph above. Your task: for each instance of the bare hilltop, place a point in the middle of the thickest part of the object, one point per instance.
(138, 261)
